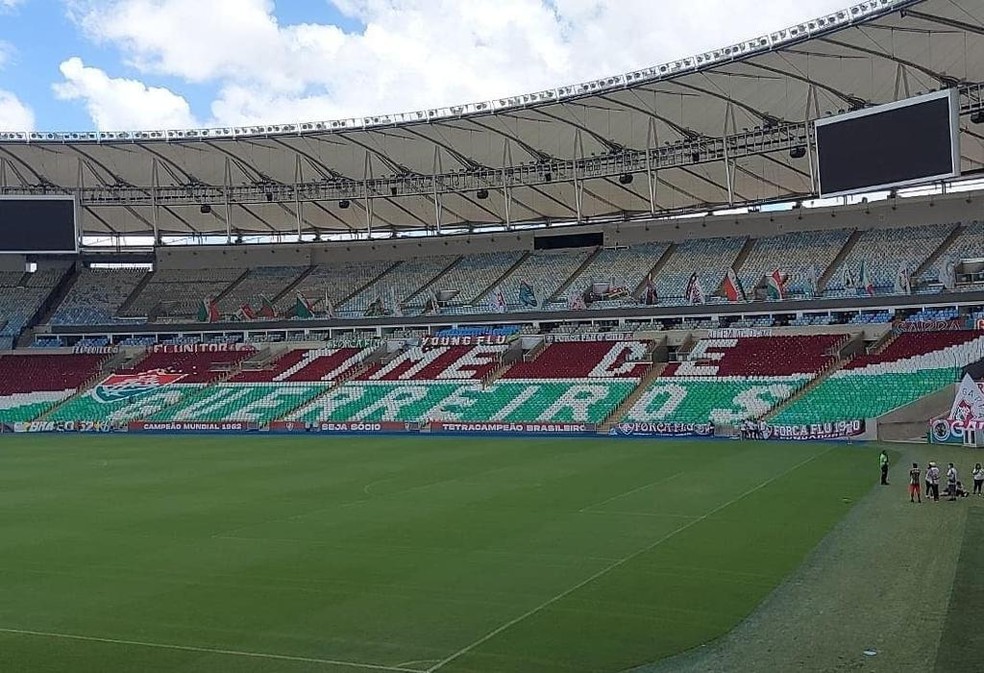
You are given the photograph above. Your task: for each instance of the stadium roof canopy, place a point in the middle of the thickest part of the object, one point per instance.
(699, 133)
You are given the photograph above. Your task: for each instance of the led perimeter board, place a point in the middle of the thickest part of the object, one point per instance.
(903, 143)
(45, 225)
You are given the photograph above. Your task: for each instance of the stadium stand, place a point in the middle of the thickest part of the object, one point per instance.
(180, 292)
(96, 297)
(731, 380)
(913, 365)
(21, 295)
(626, 266)
(337, 281)
(799, 254)
(398, 285)
(709, 258)
(267, 282)
(32, 384)
(881, 253)
(473, 276)
(545, 271)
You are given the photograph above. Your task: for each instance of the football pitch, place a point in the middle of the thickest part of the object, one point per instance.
(324, 555)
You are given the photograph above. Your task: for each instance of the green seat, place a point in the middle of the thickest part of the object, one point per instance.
(99, 404)
(249, 402)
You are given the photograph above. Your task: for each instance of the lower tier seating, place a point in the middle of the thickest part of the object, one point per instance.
(22, 407)
(113, 403)
(247, 402)
(515, 401)
(847, 395)
(721, 400)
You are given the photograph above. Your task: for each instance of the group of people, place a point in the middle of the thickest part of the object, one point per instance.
(929, 485)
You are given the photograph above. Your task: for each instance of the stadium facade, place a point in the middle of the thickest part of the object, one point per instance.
(413, 268)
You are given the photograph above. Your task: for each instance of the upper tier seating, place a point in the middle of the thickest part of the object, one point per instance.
(31, 384)
(193, 367)
(337, 280)
(399, 284)
(21, 295)
(627, 266)
(180, 292)
(585, 360)
(709, 258)
(794, 254)
(883, 253)
(438, 363)
(97, 296)
(266, 281)
(913, 365)
(968, 245)
(473, 275)
(545, 271)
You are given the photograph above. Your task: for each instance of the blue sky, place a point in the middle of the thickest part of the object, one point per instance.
(125, 64)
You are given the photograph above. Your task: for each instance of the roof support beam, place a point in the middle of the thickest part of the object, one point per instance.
(367, 179)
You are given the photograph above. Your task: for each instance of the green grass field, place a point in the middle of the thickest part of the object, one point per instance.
(303, 554)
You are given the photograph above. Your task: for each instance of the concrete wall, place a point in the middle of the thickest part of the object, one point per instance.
(912, 420)
(883, 214)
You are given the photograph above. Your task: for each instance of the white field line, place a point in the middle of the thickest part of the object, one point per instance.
(209, 650)
(589, 508)
(550, 601)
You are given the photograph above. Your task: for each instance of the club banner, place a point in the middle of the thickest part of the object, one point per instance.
(192, 426)
(930, 326)
(815, 432)
(966, 413)
(662, 430)
(588, 336)
(65, 426)
(475, 340)
(199, 348)
(345, 428)
(514, 428)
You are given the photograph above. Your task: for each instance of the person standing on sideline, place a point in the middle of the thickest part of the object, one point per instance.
(914, 485)
(951, 481)
(883, 462)
(978, 479)
(933, 474)
(929, 485)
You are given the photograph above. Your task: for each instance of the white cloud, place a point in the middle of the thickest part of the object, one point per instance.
(122, 104)
(9, 4)
(14, 114)
(412, 54)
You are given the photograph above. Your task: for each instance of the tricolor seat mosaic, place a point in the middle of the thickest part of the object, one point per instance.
(30, 385)
(579, 381)
(914, 365)
(726, 381)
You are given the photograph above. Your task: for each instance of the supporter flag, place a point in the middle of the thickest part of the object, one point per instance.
(649, 296)
(397, 310)
(329, 306)
(903, 282)
(694, 292)
(776, 285)
(245, 313)
(499, 300)
(527, 295)
(733, 289)
(968, 405)
(267, 309)
(850, 280)
(867, 286)
(302, 307)
(208, 310)
(948, 275)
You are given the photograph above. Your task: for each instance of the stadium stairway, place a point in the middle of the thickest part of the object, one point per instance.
(512, 355)
(936, 254)
(232, 286)
(743, 254)
(422, 290)
(640, 289)
(559, 295)
(654, 372)
(498, 281)
(829, 272)
(47, 308)
(135, 293)
(362, 288)
(275, 300)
